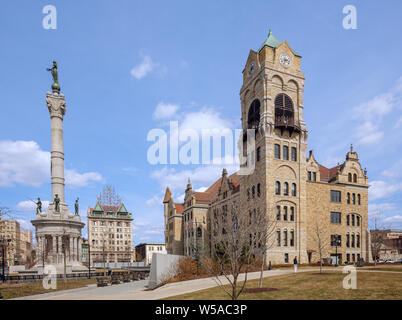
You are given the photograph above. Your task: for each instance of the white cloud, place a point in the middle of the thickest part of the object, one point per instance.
(15, 169)
(77, 180)
(29, 205)
(155, 200)
(393, 219)
(144, 68)
(203, 175)
(372, 113)
(204, 120)
(26, 225)
(165, 110)
(382, 189)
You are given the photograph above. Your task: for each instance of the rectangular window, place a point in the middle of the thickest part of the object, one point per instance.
(258, 154)
(294, 154)
(278, 212)
(292, 238)
(335, 196)
(285, 213)
(286, 258)
(336, 240)
(292, 214)
(277, 151)
(309, 176)
(285, 153)
(336, 217)
(348, 240)
(285, 238)
(314, 176)
(278, 238)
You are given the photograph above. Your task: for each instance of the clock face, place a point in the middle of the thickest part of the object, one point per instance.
(251, 68)
(284, 60)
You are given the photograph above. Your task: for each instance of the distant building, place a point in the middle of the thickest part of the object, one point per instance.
(110, 229)
(10, 229)
(26, 245)
(84, 252)
(390, 243)
(144, 251)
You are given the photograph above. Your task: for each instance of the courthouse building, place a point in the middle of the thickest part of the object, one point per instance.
(303, 197)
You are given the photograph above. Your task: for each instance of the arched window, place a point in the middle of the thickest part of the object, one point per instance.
(283, 110)
(358, 199)
(353, 240)
(253, 119)
(277, 188)
(358, 241)
(278, 212)
(353, 220)
(348, 240)
(294, 154)
(355, 178)
(286, 189)
(292, 238)
(294, 189)
(253, 192)
(285, 153)
(277, 151)
(278, 238)
(353, 198)
(258, 190)
(349, 177)
(358, 221)
(348, 198)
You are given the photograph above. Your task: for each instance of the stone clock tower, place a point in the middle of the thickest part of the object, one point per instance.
(272, 105)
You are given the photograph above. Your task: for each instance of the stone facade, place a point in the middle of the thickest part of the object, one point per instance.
(294, 191)
(10, 230)
(110, 233)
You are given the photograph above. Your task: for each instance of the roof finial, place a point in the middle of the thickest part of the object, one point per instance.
(351, 147)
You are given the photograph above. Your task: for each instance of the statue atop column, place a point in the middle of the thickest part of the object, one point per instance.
(76, 207)
(55, 75)
(57, 203)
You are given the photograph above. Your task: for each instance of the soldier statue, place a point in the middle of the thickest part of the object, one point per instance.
(76, 207)
(56, 203)
(38, 206)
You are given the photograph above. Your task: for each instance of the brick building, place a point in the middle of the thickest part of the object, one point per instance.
(303, 197)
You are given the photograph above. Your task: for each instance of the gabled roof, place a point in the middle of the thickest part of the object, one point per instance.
(122, 209)
(273, 42)
(327, 174)
(98, 207)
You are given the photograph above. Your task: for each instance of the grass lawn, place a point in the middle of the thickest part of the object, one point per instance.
(314, 286)
(15, 290)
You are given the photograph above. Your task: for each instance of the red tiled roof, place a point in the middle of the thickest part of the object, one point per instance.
(203, 197)
(327, 174)
(179, 207)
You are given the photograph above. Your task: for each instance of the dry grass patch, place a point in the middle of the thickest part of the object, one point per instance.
(314, 286)
(22, 289)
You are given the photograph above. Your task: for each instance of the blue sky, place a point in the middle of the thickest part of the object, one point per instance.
(120, 60)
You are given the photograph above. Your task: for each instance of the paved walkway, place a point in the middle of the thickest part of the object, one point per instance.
(135, 290)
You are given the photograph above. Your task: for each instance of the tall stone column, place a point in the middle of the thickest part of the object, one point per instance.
(60, 250)
(57, 108)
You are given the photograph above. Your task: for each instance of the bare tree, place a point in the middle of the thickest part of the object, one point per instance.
(233, 235)
(322, 240)
(265, 225)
